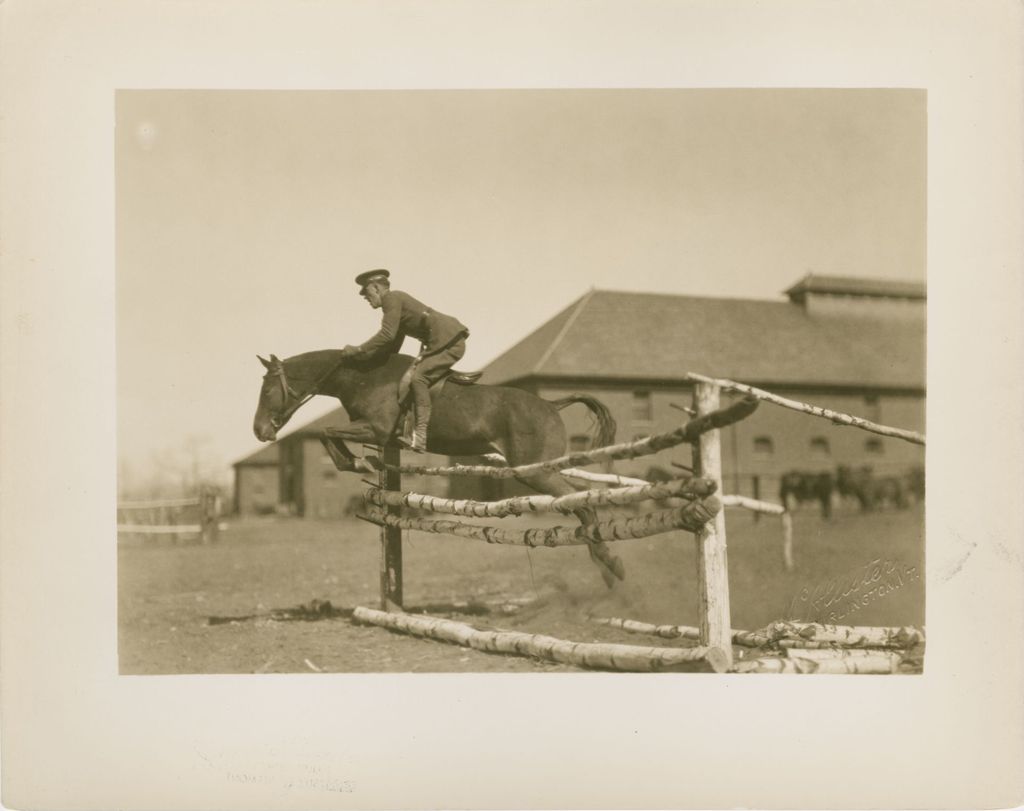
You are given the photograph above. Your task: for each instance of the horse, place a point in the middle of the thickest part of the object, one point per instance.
(467, 419)
(796, 487)
(871, 491)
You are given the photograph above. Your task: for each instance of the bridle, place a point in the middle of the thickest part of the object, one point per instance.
(287, 392)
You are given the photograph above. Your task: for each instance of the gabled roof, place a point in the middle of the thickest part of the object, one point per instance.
(618, 336)
(332, 419)
(267, 455)
(850, 286)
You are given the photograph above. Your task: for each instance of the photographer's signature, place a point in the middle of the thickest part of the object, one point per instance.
(837, 599)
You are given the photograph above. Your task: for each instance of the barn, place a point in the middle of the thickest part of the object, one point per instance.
(851, 344)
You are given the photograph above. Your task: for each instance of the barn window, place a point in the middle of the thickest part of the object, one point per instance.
(579, 442)
(820, 447)
(763, 446)
(872, 408)
(643, 408)
(873, 446)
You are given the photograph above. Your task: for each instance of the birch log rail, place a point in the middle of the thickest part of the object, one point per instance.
(606, 478)
(837, 417)
(689, 432)
(691, 518)
(521, 505)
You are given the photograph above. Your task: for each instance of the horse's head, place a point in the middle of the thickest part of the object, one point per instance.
(278, 401)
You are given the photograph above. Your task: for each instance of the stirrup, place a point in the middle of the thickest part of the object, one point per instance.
(417, 443)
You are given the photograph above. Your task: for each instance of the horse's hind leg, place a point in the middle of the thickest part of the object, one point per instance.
(537, 433)
(554, 484)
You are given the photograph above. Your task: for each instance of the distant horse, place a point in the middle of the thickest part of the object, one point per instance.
(466, 419)
(796, 487)
(914, 481)
(871, 491)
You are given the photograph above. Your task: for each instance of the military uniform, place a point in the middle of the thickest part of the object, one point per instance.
(404, 315)
(443, 340)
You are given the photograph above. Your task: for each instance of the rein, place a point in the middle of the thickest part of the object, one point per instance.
(277, 420)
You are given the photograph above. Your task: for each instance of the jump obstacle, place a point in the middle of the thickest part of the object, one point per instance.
(787, 647)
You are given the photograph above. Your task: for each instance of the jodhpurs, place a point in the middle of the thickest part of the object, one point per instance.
(430, 369)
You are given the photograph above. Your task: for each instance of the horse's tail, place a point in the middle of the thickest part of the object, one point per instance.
(605, 421)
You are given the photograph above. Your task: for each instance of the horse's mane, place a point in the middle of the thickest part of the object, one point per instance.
(311, 365)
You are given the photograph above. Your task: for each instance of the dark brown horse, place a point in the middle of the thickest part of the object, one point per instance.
(466, 420)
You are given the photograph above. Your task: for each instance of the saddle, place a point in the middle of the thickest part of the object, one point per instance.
(451, 376)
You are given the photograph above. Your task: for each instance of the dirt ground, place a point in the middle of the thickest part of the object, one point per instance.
(189, 608)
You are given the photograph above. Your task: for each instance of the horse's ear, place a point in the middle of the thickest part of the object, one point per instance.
(274, 359)
(265, 362)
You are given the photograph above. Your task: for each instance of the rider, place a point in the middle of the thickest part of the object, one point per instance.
(443, 340)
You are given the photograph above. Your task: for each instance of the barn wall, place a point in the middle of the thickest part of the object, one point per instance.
(256, 489)
(830, 304)
(330, 493)
(327, 490)
(789, 432)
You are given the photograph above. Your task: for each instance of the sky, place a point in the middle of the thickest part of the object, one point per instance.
(242, 218)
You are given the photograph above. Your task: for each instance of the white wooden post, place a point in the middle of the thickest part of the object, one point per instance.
(712, 560)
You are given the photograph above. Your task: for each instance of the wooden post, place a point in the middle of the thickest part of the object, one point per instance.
(757, 495)
(209, 515)
(787, 541)
(391, 537)
(712, 561)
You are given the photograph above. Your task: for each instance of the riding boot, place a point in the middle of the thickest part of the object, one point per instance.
(419, 434)
(421, 400)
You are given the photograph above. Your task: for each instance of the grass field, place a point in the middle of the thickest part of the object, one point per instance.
(169, 592)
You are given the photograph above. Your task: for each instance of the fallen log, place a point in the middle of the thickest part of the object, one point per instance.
(626, 450)
(810, 634)
(880, 663)
(818, 654)
(605, 656)
(519, 505)
(745, 638)
(691, 518)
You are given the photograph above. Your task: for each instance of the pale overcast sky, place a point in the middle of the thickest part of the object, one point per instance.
(242, 217)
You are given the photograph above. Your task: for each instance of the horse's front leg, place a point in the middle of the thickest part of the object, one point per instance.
(334, 439)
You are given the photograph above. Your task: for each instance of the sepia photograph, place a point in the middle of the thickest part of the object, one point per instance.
(578, 404)
(486, 380)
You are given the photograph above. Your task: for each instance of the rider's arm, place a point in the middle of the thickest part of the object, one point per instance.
(391, 307)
